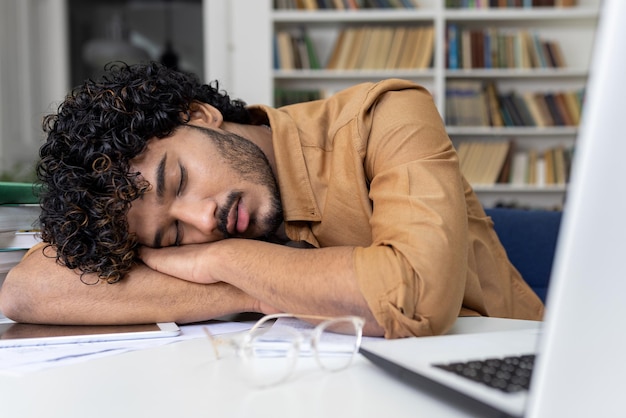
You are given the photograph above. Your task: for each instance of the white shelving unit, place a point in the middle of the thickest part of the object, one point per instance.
(324, 26)
(573, 28)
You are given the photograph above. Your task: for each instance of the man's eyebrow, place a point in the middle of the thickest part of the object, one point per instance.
(160, 192)
(160, 178)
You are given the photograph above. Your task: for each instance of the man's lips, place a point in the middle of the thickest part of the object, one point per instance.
(238, 218)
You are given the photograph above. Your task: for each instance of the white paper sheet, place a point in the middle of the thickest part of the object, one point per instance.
(19, 360)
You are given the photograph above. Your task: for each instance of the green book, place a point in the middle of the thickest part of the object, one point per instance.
(18, 193)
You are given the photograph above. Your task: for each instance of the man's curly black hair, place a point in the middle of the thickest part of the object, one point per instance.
(84, 163)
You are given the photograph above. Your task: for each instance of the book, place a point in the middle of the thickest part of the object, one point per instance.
(522, 54)
(553, 109)
(534, 109)
(488, 48)
(467, 103)
(499, 154)
(333, 61)
(395, 52)
(19, 216)
(559, 101)
(300, 58)
(284, 97)
(493, 105)
(477, 48)
(412, 39)
(14, 192)
(519, 171)
(553, 50)
(466, 49)
(453, 46)
(573, 106)
(532, 172)
(285, 51)
(540, 53)
(560, 174)
(311, 51)
(418, 42)
(546, 116)
(540, 171)
(19, 240)
(427, 46)
(482, 162)
(507, 166)
(522, 110)
(509, 105)
(548, 158)
(366, 47)
(384, 47)
(345, 47)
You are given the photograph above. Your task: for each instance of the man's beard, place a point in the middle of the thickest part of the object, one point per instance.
(266, 225)
(249, 162)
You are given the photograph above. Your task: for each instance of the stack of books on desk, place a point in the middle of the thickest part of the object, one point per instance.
(19, 217)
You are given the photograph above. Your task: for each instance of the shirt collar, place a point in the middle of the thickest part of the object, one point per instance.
(293, 180)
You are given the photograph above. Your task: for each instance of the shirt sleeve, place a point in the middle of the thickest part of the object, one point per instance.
(413, 275)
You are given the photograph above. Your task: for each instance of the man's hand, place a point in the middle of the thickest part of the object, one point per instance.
(190, 262)
(280, 278)
(187, 262)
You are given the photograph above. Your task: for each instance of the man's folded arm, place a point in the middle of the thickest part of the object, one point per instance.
(39, 290)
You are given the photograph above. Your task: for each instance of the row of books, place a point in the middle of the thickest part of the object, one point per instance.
(411, 4)
(358, 48)
(284, 97)
(487, 163)
(19, 215)
(497, 48)
(383, 47)
(477, 103)
(19, 206)
(295, 50)
(484, 4)
(343, 4)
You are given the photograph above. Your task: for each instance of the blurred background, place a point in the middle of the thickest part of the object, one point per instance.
(169, 31)
(48, 46)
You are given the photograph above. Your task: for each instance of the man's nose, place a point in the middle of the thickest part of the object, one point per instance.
(199, 219)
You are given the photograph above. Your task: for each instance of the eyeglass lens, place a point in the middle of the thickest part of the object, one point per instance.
(336, 342)
(269, 355)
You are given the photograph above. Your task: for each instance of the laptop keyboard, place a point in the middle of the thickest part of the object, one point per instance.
(508, 374)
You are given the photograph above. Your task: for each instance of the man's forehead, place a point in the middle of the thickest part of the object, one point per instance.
(153, 144)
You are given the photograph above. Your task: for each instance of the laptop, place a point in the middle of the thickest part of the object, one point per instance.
(579, 368)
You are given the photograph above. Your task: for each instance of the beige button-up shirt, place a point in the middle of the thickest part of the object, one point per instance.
(372, 167)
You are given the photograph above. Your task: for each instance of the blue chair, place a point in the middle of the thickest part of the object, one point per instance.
(529, 238)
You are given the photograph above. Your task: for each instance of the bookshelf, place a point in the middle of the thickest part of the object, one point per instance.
(570, 28)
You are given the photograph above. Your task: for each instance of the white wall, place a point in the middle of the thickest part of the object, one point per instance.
(237, 53)
(33, 74)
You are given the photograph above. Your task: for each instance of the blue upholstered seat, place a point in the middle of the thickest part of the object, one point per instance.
(529, 237)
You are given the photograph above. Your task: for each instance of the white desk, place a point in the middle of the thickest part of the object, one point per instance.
(184, 380)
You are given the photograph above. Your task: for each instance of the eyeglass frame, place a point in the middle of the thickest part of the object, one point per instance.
(319, 328)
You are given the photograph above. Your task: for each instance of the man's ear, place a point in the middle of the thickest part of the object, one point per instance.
(205, 115)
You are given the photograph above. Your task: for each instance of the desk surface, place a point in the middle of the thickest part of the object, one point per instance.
(185, 380)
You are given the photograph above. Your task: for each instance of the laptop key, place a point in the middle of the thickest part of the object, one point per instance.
(509, 374)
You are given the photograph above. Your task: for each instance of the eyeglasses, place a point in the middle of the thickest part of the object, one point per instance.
(267, 353)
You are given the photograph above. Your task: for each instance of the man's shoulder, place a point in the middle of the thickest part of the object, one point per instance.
(367, 89)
